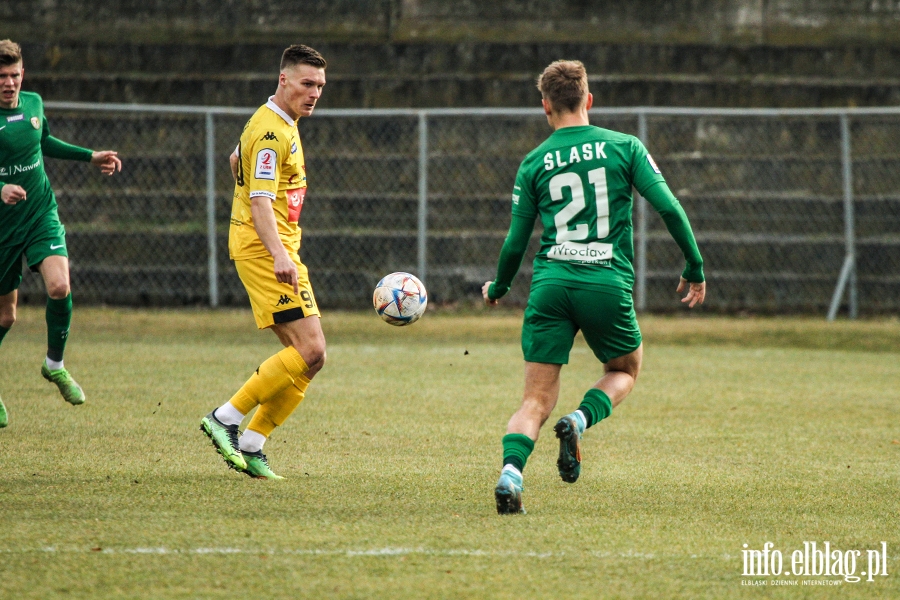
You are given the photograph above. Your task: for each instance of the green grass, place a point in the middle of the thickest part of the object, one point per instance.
(740, 431)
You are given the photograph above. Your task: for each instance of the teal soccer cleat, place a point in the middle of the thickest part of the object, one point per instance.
(508, 493)
(4, 418)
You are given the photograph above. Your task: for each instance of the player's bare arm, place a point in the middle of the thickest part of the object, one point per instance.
(107, 161)
(233, 161)
(267, 229)
(12, 194)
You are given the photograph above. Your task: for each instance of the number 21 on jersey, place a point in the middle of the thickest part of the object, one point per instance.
(581, 231)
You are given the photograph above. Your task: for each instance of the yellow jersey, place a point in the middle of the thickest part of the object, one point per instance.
(271, 165)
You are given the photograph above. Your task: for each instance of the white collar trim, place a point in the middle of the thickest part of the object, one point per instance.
(274, 108)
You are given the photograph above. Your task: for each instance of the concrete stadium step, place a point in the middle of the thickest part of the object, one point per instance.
(464, 58)
(474, 90)
(787, 21)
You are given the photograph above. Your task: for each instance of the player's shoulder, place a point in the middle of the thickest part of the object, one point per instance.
(267, 126)
(32, 98)
(617, 136)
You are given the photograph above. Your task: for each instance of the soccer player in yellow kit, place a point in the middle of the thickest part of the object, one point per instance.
(264, 241)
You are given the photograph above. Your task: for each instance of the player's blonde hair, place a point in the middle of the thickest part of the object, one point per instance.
(299, 54)
(10, 53)
(564, 84)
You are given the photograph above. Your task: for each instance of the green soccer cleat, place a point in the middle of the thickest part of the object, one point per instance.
(569, 430)
(225, 440)
(258, 466)
(508, 493)
(70, 390)
(4, 418)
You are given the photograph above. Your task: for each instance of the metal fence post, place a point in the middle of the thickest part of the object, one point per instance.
(422, 233)
(641, 258)
(848, 270)
(212, 246)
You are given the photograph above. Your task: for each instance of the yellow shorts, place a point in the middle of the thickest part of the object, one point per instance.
(272, 301)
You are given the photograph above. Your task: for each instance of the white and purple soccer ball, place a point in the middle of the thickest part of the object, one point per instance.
(400, 299)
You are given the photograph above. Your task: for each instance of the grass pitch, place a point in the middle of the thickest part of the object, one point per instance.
(738, 432)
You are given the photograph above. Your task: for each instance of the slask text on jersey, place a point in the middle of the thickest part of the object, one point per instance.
(561, 158)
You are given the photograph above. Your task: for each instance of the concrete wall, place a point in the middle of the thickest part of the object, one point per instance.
(430, 53)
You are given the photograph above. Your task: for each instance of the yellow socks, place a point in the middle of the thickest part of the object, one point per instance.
(276, 376)
(276, 411)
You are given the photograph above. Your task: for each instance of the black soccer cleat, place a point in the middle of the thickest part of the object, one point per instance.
(569, 461)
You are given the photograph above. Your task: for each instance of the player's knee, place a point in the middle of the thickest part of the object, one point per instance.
(314, 356)
(7, 317)
(58, 289)
(538, 408)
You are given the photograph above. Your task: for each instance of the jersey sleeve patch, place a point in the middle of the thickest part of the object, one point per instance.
(653, 165)
(266, 159)
(264, 193)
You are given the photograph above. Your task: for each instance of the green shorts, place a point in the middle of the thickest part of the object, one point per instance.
(555, 314)
(47, 237)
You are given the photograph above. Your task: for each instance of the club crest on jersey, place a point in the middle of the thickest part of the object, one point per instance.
(265, 164)
(35, 122)
(293, 148)
(653, 165)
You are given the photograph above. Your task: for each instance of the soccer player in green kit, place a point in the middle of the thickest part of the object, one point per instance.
(579, 182)
(29, 223)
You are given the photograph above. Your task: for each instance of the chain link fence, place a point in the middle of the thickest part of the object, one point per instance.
(795, 211)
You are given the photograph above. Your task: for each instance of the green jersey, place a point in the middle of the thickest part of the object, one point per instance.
(24, 141)
(579, 182)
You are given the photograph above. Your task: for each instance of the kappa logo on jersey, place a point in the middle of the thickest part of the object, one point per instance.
(265, 164)
(270, 136)
(653, 165)
(285, 299)
(15, 118)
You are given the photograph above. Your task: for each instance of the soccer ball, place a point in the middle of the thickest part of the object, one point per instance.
(400, 299)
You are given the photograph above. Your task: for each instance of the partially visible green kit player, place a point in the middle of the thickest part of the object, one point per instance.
(579, 184)
(29, 223)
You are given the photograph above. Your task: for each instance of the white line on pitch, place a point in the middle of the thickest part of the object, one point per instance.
(389, 551)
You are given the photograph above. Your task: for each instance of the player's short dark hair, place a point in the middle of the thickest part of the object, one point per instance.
(564, 84)
(10, 53)
(298, 54)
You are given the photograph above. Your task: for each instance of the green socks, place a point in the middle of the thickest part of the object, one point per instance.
(596, 406)
(59, 317)
(517, 448)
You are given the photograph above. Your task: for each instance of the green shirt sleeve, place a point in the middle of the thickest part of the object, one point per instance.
(56, 148)
(524, 212)
(666, 204)
(511, 255)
